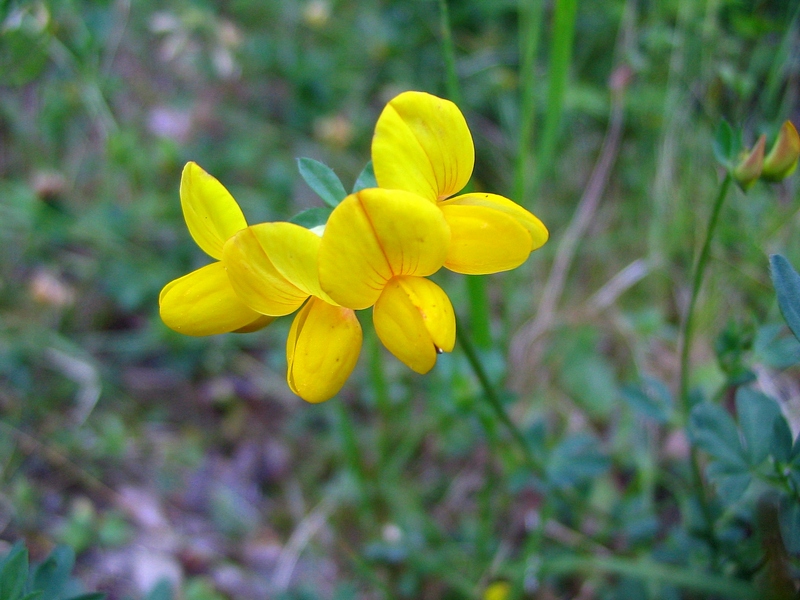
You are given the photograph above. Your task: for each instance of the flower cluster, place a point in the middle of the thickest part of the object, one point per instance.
(376, 250)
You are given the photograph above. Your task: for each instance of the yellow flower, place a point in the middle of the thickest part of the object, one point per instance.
(499, 590)
(422, 145)
(203, 302)
(377, 249)
(273, 268)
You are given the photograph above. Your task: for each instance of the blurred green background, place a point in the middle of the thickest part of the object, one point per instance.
(157, 455)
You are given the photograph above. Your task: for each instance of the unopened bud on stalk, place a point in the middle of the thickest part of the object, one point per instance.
(748, 169)
(782, 158)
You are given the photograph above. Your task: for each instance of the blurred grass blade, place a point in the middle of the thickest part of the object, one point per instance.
(321, 178)
(530, 25)
(557, 73)
(449, 52)
(649, 570)
(787, 286)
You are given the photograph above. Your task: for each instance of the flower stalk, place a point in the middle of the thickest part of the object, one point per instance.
(492, 397)
(687, 329)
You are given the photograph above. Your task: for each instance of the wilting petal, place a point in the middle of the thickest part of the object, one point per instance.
(377, 234)
(783, 157)
(422, 144)
(256, 280)
(528, 220)
(293, 250)
(322, 349)
(484, 240)
(751, 163)
(204, 303)
(211, 213)
(414, 319)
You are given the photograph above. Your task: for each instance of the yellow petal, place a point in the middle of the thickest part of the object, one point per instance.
(422, 144)
(256, 280)
(377, 234)
(528, 220)
(415, 321)
(211, 213)
(322, 349)
(261, 322)
(204, 303)
(293, 250)
(484, 240)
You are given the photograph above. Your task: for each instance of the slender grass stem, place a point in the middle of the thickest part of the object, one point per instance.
(697, 281)
(479, 311)
(557, 73)
(449, 51)
(380, 388)
(530, 25)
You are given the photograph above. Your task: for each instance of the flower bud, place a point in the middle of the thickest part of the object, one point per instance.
(748, 169)
(782, 158)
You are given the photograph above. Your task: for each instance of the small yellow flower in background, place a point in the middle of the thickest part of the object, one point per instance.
(204, 302)
(422, 144)
(273, 269)
(377, 249)
(499, 590)
(750, 165)
(783, 157)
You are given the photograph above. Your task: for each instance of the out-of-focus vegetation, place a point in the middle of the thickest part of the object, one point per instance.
(173, 462)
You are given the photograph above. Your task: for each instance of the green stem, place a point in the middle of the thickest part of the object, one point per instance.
(687, 333)
(697, 281)
(493, 398)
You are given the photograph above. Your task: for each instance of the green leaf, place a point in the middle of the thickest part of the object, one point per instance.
(14, 573)
(781, 447)
(574, 459)
(789, 518)
(787, 286)
(161, 590)
(322, 180)
(366, 179)
(757, 415)
(713, 429)
(313, 217)
(52, 576)
(730, 480)
(724, 146)
(89, 596)
(650, 398)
